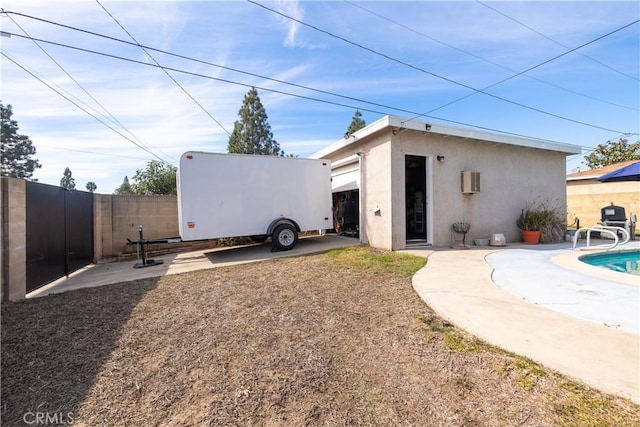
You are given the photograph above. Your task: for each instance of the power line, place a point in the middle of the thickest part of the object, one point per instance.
(555, 41)
(235, 70)
(110, 117)
(486, 59)
(536, 66)
(163, 69)
(307, 87)
(406, 64)
(74, 103)
(90, 152)
(274, 90)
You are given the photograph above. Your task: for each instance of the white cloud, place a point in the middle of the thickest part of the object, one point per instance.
(249, 38)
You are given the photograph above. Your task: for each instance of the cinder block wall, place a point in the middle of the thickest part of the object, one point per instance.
(117, 218)
(585, 198)
(14, 239)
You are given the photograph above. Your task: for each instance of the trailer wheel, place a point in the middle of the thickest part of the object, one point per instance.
(284, 237)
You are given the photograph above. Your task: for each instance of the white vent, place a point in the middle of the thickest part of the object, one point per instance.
(470, 182)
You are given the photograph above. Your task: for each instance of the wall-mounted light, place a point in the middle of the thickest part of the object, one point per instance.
(427, 126)
(440, 159)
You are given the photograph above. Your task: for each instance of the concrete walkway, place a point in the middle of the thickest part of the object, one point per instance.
(458, 285)
(105, 274)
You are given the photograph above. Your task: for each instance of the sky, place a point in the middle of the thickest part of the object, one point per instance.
(98, 103)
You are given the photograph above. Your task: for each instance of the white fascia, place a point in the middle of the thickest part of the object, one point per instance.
(481, 135)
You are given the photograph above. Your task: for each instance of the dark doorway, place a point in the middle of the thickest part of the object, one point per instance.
(415, 170)
(346, 213)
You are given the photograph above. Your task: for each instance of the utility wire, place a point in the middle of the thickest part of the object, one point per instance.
(77, 105)
(108, 116)
(406, 64)
(235, 70)
(275, 90)
(555, 41)
(532, 68)
(163, 69)
(91, 152)
(90, 107)
(297, 85)
(359, 6)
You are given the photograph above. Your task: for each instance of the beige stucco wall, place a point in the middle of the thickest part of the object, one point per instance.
(376, 201)
(585, 198)
(511, 178)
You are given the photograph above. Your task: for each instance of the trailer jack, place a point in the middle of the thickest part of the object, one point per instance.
(142, 253)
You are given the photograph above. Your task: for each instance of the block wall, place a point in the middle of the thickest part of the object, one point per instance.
(14, 239)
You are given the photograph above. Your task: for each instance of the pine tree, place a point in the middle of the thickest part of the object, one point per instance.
(125, 188)
(252, 133)
(15, 150)
(67, 180)
(356, 124)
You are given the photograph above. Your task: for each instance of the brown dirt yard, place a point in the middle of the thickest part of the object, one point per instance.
(334, 339)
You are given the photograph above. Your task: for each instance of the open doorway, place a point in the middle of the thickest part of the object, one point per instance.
(415, 197)
(346, 213)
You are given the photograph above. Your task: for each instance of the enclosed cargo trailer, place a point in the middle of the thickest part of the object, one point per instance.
(233, 195)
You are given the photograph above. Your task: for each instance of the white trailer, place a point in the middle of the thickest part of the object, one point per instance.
(232, 195)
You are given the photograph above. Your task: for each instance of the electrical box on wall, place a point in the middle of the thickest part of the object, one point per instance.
(470, 182)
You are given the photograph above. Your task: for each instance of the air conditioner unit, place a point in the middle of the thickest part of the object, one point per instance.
(470, 182)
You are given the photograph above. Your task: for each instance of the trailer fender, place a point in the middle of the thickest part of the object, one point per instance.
(279, 221)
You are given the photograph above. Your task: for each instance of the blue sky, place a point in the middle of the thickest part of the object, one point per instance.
(406, 57)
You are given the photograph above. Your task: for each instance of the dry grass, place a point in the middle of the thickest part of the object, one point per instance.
(334, 339)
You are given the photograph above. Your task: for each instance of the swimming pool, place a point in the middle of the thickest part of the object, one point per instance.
(622, 261)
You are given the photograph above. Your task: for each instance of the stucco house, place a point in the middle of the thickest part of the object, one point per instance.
(407, 181)
(586, 196)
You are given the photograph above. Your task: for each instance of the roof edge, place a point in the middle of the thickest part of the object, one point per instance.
(421, 126)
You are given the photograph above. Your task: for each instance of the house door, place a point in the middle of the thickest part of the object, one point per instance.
(415, 197)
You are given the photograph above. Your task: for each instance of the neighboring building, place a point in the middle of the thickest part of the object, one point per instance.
(405, 180)
(586, 196)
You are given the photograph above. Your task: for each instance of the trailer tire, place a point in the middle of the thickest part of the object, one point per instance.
(284, 237)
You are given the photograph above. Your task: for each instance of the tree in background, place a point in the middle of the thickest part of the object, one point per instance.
(67, 180)
(613, 152)
(252, 133)
(15, 150)
(356, 124)
(125, 188)
(157, 179)
(91, 186)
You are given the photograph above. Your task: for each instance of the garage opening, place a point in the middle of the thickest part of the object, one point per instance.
(346, 213)
(345, 186)
(415, 198)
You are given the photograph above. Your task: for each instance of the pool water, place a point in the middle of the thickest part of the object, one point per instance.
(621, 261)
